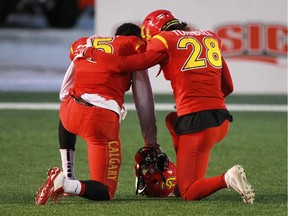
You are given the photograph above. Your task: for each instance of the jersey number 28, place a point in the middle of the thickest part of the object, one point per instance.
(209, 45)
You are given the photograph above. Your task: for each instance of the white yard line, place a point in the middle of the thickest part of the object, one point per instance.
(159, 107)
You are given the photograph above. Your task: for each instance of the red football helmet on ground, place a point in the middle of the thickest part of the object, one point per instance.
(157, 21)
(161, 184)
(155, 173)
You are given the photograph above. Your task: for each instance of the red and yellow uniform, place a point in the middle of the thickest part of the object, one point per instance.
(194, 69)
(95, 78)
(200, 79)
(98, 126)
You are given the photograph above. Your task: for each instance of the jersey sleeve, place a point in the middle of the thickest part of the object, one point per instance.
(140, 46)
(226, 80)
(130, 63)
(157, 43)
(74, 48)
(227, 86)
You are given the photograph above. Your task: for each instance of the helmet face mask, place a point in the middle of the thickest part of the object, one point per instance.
(157, 21)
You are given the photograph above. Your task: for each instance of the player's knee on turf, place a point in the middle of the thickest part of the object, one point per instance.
(96, 191)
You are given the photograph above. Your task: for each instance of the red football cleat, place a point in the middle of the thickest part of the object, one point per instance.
(53, 187)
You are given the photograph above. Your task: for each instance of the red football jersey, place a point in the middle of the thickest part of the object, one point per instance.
(191, 60)
(95, 78)
(194, 68)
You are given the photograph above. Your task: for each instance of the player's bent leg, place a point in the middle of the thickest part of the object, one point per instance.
(88, 189)
(68, 161)
(67, 140)
(169, 120)
(67, 143)
(95, 191)
(104, 160)
(192, 162)
(56, 185)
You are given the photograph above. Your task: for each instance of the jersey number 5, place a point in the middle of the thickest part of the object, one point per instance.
(103, 44)
(210, 45)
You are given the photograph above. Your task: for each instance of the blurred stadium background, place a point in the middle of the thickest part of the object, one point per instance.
(254, 38)
(41, 48)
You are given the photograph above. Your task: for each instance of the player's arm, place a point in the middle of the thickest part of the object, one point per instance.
(144, 103)
(130, 63)
(77, 47)
(226, 80)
